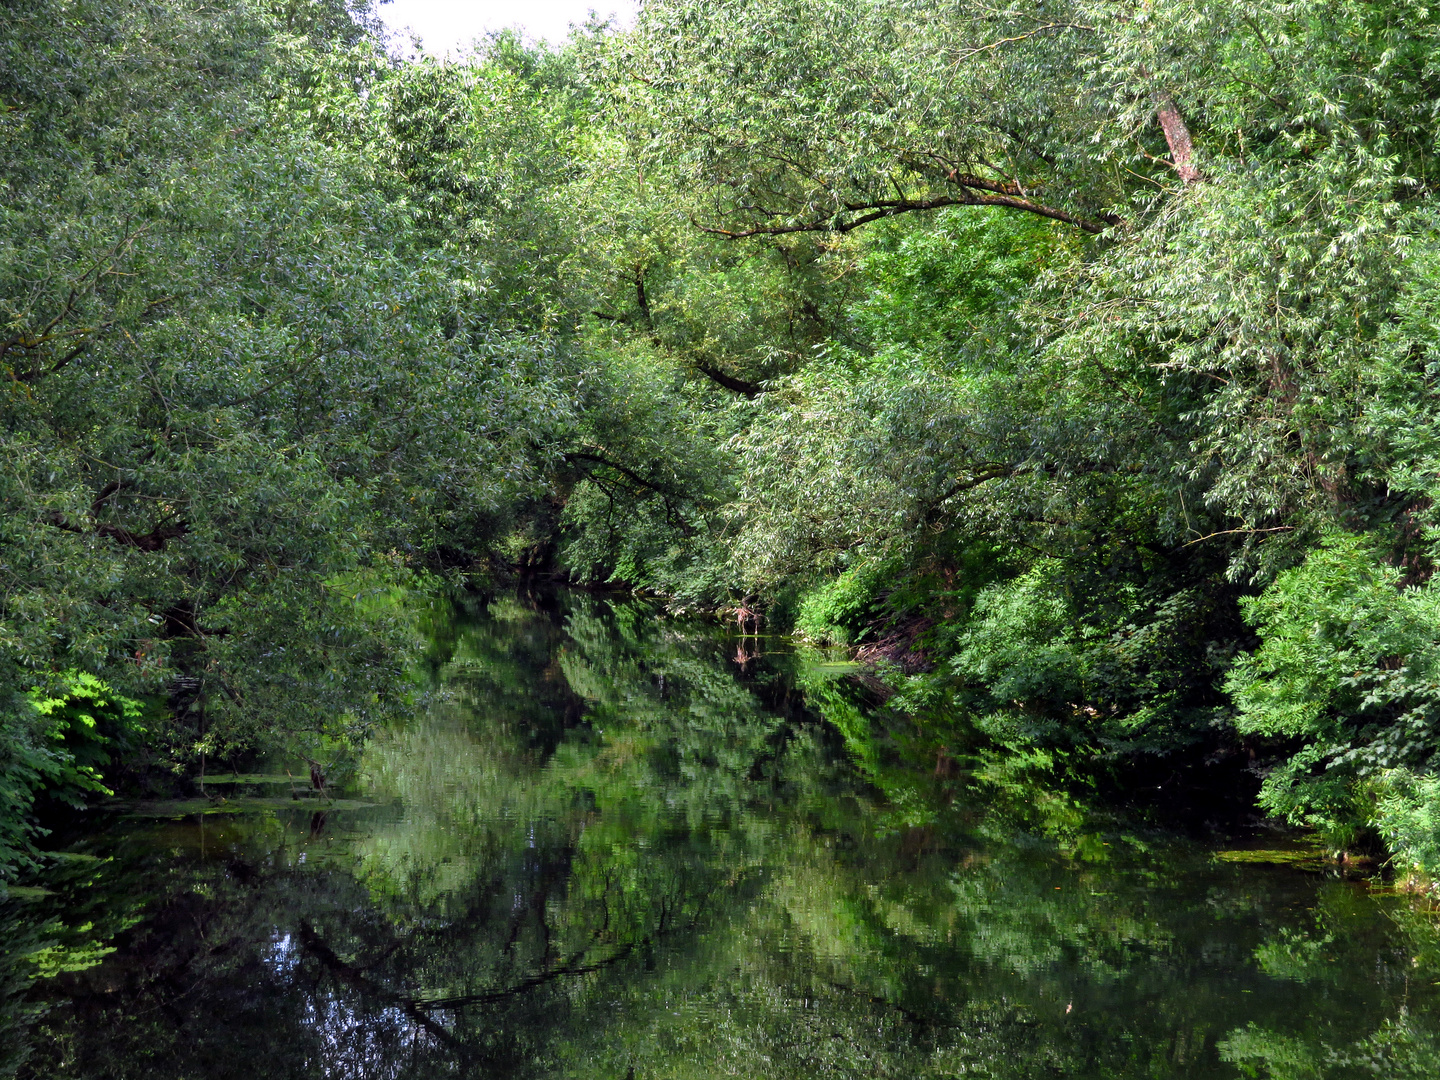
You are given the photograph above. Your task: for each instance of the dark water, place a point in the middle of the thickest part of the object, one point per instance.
(615, 847)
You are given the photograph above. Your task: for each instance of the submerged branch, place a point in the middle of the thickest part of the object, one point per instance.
(317, 947)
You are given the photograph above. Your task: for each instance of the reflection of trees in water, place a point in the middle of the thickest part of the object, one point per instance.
(615, 856)
(18, 936)
(1321, 955)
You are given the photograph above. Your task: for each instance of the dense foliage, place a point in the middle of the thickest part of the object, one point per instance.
(1072, 360)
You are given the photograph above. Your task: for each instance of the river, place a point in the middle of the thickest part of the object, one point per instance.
(610, 845)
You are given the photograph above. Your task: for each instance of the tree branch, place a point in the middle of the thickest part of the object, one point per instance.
(965, 54)
(154, 540)
(296, 370)
(570, 966)
(47, 336)
(317, 947)
(973, 192)
(665, 493)
(993, 471)
(729, 382)
(1239, 532)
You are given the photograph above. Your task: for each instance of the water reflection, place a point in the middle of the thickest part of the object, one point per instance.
(617, 847)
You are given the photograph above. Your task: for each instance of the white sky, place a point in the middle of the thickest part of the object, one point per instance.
(447, 25)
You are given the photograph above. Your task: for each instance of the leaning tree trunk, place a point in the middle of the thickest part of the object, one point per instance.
(1177, 136)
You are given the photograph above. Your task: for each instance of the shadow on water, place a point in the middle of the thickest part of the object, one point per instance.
(623, 847)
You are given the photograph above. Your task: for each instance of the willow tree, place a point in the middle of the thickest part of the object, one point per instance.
(240, 393)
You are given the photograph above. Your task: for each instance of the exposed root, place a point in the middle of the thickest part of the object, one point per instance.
(900, 648)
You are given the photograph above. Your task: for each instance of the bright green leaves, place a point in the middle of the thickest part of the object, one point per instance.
(58, 738)
(86, 725)
(953, 285)
(1349, 664)
(1406, 813)
(1339, 637)
(848, 609)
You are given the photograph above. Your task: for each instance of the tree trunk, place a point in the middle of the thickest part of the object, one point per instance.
(1177, 136)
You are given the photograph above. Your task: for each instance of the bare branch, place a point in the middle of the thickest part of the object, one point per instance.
(965, 54)
(1246, 532)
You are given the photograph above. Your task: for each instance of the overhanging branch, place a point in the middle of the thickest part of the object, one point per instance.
(154, 540)
(970, 193)
(667, 495)
(729, 382)
(982, 475)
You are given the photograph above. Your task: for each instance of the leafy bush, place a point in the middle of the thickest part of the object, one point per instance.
(84, 724)
(1348, 667)
(1063, 657)
(844, 611)
(56, 743)
(1023, 643)
(1407, 815)
(952, 284)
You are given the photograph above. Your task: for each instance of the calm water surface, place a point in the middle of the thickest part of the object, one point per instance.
(619, 847)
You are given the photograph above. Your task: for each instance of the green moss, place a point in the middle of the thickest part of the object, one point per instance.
(1303, 859)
